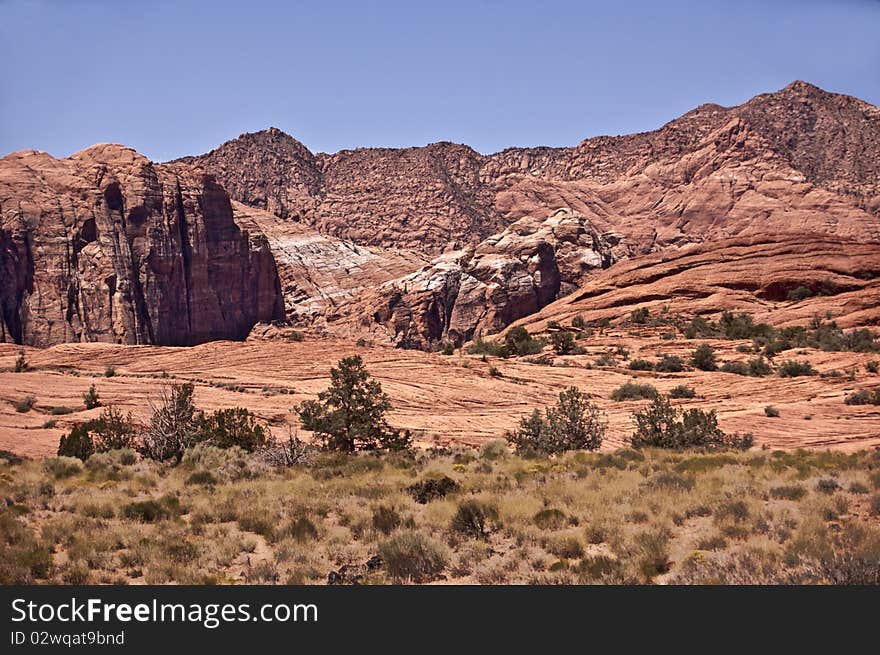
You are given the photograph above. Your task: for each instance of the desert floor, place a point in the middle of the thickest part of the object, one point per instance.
(443, 399)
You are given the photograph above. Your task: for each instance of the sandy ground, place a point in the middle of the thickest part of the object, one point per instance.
(442, 399)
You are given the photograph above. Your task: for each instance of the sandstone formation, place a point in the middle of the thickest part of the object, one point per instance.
(738, 274)
(107, 246)
(321, 273)
(443, 400)
(798, 160)
(484, 288)
(414, 246)
(416, 198)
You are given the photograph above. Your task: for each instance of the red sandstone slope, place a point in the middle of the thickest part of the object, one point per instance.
(417, 245)
(797, 160)
(741, 274)
(106, 246)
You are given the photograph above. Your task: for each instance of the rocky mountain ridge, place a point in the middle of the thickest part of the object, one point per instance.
(107, 246)
(415, 246)
(800, 151)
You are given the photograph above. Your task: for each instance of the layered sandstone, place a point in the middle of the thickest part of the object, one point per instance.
(107, 246)
(484, 288)
(321, 273)
(737, 274)
(418, 245)
(798, 160)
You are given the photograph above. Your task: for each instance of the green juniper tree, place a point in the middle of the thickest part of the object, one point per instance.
(350, 414)
(574, 423)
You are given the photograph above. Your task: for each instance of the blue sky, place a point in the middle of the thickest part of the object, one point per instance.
(171, 78)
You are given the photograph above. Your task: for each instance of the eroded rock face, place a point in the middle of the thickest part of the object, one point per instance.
(415, 245)
(320, 272)
(796, 161)
(106, 246)
(424, 199)
(738, 274)
(481, 290)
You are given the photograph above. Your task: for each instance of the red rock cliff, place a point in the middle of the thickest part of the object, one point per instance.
(107, 246)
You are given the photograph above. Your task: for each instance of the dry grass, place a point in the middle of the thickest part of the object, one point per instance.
(583, 518)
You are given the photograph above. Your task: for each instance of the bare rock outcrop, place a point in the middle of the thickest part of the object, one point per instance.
(107, 246)
(839, 278)
(797, 160)
(479, 290)
(424, 199)
(319, 272)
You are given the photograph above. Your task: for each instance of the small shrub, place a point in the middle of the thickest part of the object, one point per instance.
(411, 555)
(661, 425)
(671, 481)
(565, 547)
(600, 568)
(827, 486)
(732, 510)
(792, 368)
(21, 364)
(875, 505)
(296, 336)
(236, 426)
(201, 478)
(670, 364)
(574, 423)
(755, 368)
(77, 443)
(60, 411)
(799, 293)
(519, 342)
(737, 368)
(112, 430)
(301, 529)
(250, 519)
(448, 348)
(145, 511)
(62, 467)
(110, 464)
(386, 519)
(788, 492)
(564, 344)
(550, 519)
(109, 372)
(703, 358)
(699, 327)
(481, 347)
(90, 398)
(863, 397)
(633, 391)
(473, 518)
(495, 372)
(25, 405)
(682, 391)
(652, 553)
(640, 316)
(493, 449)
(432, 489)
(759, 368)
(641, 365)
(873, 366)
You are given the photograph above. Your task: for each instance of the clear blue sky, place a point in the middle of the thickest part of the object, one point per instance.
(171, 78)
